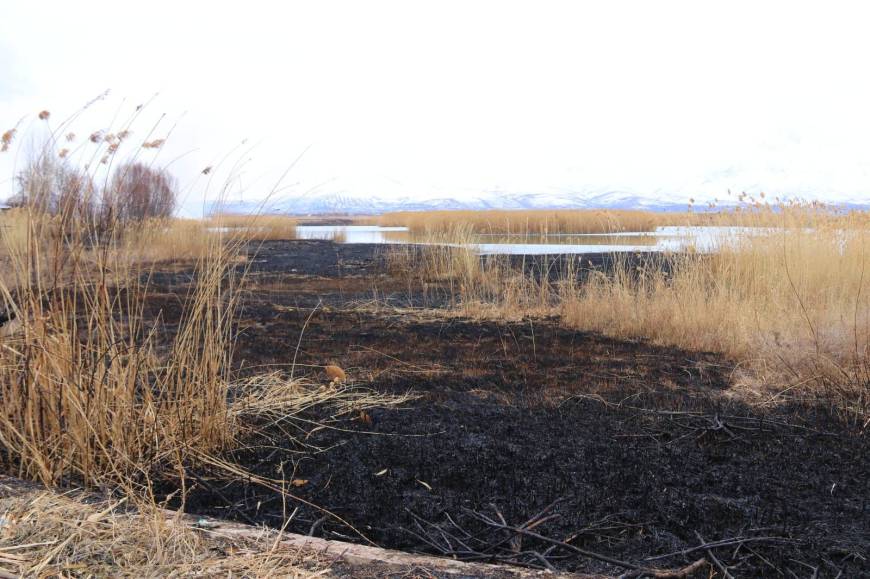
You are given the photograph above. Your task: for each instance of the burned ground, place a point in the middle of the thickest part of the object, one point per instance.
(644, 447)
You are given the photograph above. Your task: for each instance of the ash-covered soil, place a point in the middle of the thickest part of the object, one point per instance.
(645, 448)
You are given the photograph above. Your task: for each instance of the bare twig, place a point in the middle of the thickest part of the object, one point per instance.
(722, 543)
(725, 573)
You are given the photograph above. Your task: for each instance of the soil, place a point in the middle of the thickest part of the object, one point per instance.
(647, 447)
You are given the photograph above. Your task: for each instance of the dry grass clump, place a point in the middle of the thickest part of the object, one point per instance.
(449, 267)
(523, 222)
(94, 393)
(170, 240)
(792, 307)
(91, 392)
(47, 534)
(255, 227)
(271, 398)
(153, 240)
(88, 392)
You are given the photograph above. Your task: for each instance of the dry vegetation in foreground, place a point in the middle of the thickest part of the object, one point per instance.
(94, 394)
(790, 307)
(89, 394)
(48, 534)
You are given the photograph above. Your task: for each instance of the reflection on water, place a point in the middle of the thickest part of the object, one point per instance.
(353, 233)
(662, 239)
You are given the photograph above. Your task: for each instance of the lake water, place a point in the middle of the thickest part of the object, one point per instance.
(702, 238)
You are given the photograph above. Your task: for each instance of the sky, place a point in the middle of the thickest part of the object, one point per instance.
(664, 99)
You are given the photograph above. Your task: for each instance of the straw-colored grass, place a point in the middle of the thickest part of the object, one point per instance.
(475, 286)
(530, 222)
(269, 398)
(48, 534)
(748, 212)
(792, 308)
(169, 240)
(13, 232)
(95, 392)
(88, 393)
(255, 227)
(152, 241)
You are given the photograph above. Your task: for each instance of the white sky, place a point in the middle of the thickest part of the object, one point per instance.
(454, 98)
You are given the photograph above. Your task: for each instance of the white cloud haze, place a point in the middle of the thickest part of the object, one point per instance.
(453, 98)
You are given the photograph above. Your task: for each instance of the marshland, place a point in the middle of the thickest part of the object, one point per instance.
(414, 381)
(434, 290)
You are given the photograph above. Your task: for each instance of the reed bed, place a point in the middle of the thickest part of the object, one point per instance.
(532, 222)
(747, 211)
(254, 227)
(153, 241)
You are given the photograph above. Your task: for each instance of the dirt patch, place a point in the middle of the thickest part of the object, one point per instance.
(643, 447)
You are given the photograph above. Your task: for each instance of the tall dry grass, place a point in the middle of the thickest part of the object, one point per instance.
(254, 227)
(522, 222)
(89, 395)
(13, 232)
(88, 392)
(792, 307)
(752, 211)
(747, 211)
(449, 268)
(170, 240)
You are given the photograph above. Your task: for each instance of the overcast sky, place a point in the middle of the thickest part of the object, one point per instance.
(454, 98)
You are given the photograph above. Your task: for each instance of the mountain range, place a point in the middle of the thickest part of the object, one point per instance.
(339, 203)
(347, 204)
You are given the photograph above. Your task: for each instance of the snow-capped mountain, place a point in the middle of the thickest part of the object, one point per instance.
(346, 204)
(337, 203)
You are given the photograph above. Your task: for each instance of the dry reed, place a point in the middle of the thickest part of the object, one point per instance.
(85, 394)
(254, 227)
(527, 222)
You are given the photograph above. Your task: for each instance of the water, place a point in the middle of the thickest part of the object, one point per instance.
(354, 233)
(700, 238)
